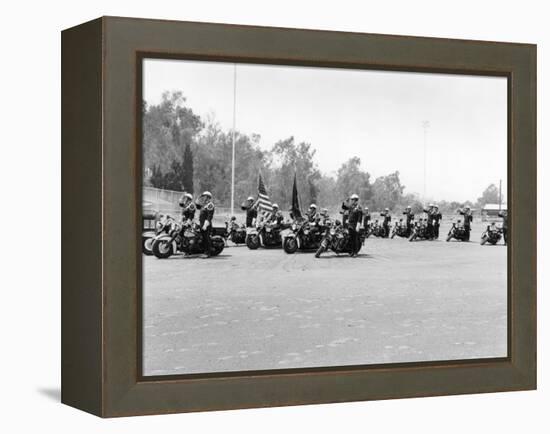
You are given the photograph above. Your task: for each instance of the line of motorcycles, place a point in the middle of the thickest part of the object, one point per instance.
(171, 236)
(420, 230)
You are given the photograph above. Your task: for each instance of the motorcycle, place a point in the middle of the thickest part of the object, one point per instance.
(162, 226)
(492, 235)
(185, 239)
(303, 235)
(420, 231)
(376, 229)
(234, 232)
(337, 239)
(400, 229)
(458, 232)
(266, 234)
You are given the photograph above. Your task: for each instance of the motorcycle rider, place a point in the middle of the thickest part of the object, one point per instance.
(206, 213)
(311, 214)
(409, 219)
(386, 222)
(366, 217)
(251, 211)
(276, 216)
(468, 217)
(429, 220)
(354, 222)
(188, 208)
(504, 215)
(324, 218)
(436, 219)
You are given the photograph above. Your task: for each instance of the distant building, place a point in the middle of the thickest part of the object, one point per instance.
(490, 211)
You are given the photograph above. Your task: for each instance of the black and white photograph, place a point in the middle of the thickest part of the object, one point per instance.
(303, 217)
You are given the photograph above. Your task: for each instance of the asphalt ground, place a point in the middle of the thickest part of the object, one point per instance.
(254, 310)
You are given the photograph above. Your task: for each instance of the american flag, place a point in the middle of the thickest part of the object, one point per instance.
(263, 201)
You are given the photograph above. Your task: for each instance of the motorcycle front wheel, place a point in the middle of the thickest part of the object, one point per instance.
(320, 250)
(483, 240)
(393, 235)
(162, 249)
(290, 245)
(253, 242)
(412, 237)
(449, 237)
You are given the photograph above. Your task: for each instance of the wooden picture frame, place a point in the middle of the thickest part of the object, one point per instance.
(101, 216)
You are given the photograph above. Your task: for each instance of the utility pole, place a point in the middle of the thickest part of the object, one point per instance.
(425, 126)
(233, 139)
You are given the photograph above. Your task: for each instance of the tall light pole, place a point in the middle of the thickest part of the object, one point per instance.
(425, 126)
(233, 139)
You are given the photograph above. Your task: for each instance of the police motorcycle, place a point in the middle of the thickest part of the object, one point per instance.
(185, 238)
(234, 232)
(491, 235)
(376, 229)
(337, 239)
(303, 235)
(162, 226)
(420, 231)
(400, 229)
(458, 232)
(266, 234)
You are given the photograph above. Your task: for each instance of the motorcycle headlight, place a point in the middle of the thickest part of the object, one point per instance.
(294, 226)
(332, 231)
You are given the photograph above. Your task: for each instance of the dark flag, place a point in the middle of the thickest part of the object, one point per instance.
(263, 202)
(295, 208)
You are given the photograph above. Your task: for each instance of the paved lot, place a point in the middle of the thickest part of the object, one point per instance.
(265, 309)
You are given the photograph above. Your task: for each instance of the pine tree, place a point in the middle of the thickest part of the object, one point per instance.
(187, 168)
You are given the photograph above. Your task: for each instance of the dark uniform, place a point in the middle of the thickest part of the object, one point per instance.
(206, 213)
(366, 218)
(430, 222)
(251, 212)
(436, 219)
(504, 215)
(386, 223)
(409, 220)
(188, 210)
(355, 215)
(312, 216)
(276, 217)
(467, 221)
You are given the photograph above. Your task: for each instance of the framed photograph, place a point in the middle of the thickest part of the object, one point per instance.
(259, 216)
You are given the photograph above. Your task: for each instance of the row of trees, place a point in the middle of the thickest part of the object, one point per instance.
(184, 152)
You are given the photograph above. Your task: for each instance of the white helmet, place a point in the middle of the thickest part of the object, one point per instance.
(366, 208)
(207, 193)
(275, 206)
(313, 206)
(250, 198)
(386, 209)
(354, 196)
(431, 205)
(188, 196)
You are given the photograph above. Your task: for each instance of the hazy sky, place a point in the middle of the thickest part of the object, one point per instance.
(374, 115)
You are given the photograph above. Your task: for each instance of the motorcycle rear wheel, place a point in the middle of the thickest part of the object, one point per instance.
(147, 246)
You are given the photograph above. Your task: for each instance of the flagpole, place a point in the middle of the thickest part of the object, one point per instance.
(233, 139)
